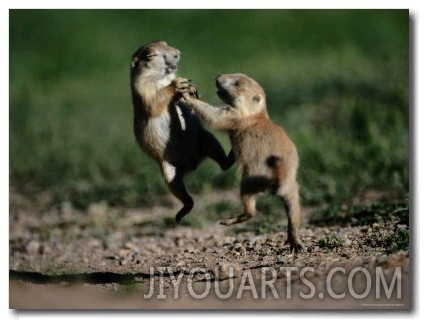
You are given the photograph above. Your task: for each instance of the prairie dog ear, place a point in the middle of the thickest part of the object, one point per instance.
(256, 98)
(135, 61)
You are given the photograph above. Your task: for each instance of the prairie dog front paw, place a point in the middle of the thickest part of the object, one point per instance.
(181, 85)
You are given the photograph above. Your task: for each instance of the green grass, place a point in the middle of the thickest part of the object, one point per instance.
(331, 242)
(360, 215)
(336, 80)
(399, 240)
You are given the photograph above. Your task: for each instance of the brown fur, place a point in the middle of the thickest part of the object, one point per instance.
(164, 128)
(266, 155)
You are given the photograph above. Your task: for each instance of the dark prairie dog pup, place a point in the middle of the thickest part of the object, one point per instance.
(167, 131)
(265, 154)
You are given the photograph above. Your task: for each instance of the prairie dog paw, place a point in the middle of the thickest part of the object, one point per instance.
(192, 91)
(296, 245)
(181, 84)
(240, 218)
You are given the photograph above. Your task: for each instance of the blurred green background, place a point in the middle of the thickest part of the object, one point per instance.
(336, 80)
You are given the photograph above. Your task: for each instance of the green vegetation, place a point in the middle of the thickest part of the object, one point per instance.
(336, 80)
(331, 242)
(399, 240)
(360, 215)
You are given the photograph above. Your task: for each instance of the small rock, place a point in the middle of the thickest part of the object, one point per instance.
(347, 242)
(308, 233)
(299, 264)
(381, 259)
(179, 242)
(345, 255)
(228, 270)
(94, 243)
(312, 249)
(280, 260)
(34, 247)
(124, 252)
(131, 246)
(98, 210)
(240, 249)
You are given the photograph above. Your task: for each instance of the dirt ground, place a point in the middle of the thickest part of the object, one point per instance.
(113, 258)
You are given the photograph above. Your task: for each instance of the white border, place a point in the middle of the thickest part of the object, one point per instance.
(217, 4)
(419, 17)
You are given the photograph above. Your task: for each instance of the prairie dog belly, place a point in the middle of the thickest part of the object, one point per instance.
(156, 134)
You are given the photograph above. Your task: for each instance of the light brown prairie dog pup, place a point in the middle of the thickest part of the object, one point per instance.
(165, 129)
(266, 155)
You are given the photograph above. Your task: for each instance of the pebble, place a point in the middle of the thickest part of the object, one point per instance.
(97, 210)
(124, 252)
(227, 270)
(381, 259)
(179, 242)
(34, 247)
(240, 249)
(94, 243)
(347, 242)
(345, 255)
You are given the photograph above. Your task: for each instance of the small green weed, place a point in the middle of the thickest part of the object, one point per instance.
(331, 242)
(362, 214)
(399, 240)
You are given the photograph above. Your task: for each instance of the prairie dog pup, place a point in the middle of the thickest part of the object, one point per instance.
(165, 129)
(266, 155)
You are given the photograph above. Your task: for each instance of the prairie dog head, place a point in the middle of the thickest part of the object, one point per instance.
(155, 60)
(241, 92)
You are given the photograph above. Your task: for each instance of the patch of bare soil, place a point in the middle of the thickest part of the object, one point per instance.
(110, 258)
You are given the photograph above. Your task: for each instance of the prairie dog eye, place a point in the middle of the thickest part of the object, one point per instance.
(151, 55)
(256, 98)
